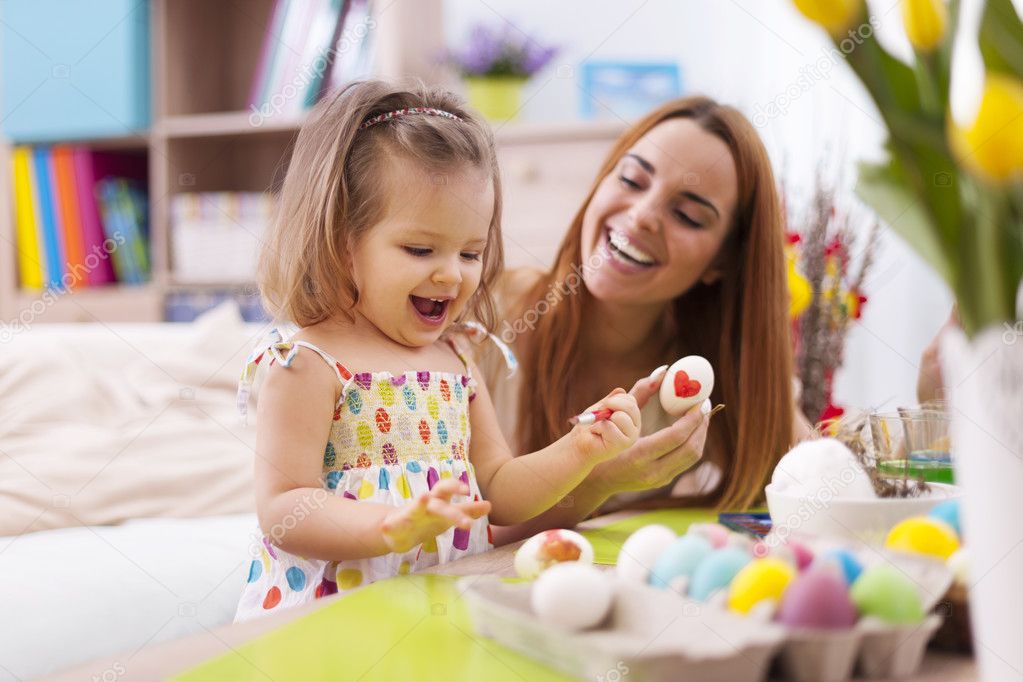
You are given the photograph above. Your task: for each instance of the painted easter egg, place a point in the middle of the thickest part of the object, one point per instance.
(716, 534)
(818, 598)
(716, 571)
(679, 559)
(759, 580)
(445, 390)
(850, 566)
(947, 511)
(885, 592)
(923, 535)
(688, 382)
(424, 431)
(550, 547)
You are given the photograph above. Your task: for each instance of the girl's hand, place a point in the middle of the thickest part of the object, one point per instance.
(654, 461)
(430, 515)
(605, 439)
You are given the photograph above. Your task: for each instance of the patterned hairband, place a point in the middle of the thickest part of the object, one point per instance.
(398, 113)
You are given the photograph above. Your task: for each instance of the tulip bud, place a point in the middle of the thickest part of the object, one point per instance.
(926, 22)
(992, 145)
(836, 16)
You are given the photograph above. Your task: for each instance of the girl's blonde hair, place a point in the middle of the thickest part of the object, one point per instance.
(336, 189)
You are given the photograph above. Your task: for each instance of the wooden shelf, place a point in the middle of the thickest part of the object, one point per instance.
(114, 303)
(225, 123)
(538, 132)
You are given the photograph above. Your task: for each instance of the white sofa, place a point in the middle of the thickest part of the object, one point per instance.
(126, 509)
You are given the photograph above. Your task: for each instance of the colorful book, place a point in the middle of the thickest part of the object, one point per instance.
(31, 260)
(271, 42)
(90, 168)
(67, 193)
(53, 241)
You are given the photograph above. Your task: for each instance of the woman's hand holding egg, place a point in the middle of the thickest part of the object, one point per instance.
(605, 439)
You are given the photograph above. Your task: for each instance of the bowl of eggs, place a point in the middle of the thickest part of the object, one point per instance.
(821, 488)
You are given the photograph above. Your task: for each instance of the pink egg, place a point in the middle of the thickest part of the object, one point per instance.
(802, 554)
(817, 598)
(714, 533)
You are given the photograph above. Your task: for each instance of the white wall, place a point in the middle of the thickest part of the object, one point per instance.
(752, 54)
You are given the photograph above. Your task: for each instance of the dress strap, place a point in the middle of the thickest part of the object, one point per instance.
(282, 352)
(478, 333)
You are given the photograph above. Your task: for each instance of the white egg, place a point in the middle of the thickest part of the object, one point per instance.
(572, 595)
(640, 551)
(686, 383)
(550, 547)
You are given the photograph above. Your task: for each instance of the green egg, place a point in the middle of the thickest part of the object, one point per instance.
(886, 593)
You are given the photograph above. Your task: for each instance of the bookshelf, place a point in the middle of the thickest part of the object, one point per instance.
(203, 57)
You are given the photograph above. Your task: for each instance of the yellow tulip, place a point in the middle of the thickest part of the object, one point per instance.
(836, 16)
(992, 146)
(926, 22)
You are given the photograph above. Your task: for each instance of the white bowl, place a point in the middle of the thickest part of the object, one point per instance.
(864, 519)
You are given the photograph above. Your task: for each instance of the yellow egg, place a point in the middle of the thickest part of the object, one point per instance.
(758, 580)
(925, 22)
(923, 535)
(837, 16)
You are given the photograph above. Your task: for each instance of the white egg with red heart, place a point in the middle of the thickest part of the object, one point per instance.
(688, 382)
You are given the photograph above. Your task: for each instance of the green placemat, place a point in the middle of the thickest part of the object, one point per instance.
(412, 627)
(607, 541)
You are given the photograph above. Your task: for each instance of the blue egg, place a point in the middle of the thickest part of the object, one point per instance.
(679, 558)
(847, 561)
(947, 511)
(716, 571)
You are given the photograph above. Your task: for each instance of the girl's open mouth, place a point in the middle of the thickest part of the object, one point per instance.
(430, 310)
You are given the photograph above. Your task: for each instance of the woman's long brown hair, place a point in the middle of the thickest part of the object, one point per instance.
(738, 323)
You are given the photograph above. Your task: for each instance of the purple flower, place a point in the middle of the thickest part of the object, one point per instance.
(507, 52)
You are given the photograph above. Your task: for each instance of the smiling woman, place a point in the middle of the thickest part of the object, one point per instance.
(679, 247)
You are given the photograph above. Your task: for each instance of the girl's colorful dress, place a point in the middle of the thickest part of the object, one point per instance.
(391, 438)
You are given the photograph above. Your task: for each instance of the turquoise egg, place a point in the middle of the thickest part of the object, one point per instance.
(679, 558)
(716, 571)
(947, 511)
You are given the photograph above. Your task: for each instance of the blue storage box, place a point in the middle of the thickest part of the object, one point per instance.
(74, 69)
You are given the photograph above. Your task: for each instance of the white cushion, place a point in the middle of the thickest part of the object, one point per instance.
(74, 594)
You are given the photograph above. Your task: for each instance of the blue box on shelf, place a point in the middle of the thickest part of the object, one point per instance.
(74, 70)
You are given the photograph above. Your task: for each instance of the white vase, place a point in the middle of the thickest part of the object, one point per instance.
(985, 379)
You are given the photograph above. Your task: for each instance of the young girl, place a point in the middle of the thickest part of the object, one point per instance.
(387, 241)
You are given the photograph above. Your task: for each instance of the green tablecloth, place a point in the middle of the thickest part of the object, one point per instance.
(409, 627)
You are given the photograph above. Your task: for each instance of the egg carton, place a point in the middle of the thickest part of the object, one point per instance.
(658, 633)
(649, 635)
(871, 649)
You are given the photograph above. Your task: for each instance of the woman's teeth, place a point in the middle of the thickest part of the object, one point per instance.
(622, 249)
